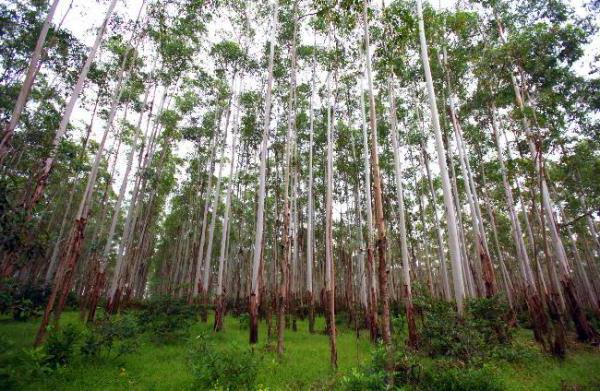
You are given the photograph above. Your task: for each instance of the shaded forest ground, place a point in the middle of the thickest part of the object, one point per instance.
(156, 365)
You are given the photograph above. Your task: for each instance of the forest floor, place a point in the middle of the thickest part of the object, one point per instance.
(306, 363)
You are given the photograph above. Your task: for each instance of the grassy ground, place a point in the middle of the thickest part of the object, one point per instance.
(306, 363)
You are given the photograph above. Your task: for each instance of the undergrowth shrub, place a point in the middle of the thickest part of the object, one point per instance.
(373, 375)
(489, 316)
(444, 333)
(244, 321)
(482, 328)
(442, 377)
(168, 319)
(230, 368)
(8, 358)
(22, 302)
(60, 345)
(111, 337)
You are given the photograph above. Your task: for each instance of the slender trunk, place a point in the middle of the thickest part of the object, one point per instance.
(254, 299)
(379, 218)
(197, 285)
(103, 261)
(370, 277)
(455, 256)
(220, 299)
(410, 316)
(310, 214)
(536, 310)
(329, 267)
(205, 289)
(132, 212)
(285, 262)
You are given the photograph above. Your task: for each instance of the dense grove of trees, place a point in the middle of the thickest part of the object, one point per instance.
(287, 158)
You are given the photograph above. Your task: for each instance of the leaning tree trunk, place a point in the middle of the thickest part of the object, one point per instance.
(536, 310)
(103, 262)
(585, 332)
(455, 256)
(63, 278)
(49, 161)
(479, 235)
(32, 71)
(132, 213)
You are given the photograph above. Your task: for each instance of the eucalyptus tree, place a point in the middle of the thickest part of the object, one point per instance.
(229, 58)
(254, 299)
(453, 239)
(220, 294)
(381, 243)
(288, 26)
(393, 61)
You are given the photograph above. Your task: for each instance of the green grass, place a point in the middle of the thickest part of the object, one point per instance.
(580, 370)
(165, 367)
(306, 362)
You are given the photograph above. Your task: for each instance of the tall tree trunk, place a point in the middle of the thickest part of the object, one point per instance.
(205, 289)
(132, 212)
(103, 261)
(197, 285)
(379, 219)
(538, 316)
(220, 296)
(310, 213)
(329, 266)
(455, 256)
(372, 322)
(410, 316)
(283, 298)
(254, 298)
(585, 331)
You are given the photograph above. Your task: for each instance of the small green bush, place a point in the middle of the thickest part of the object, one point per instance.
(373, 375)
(60, 345)
(445, 334)
(482, 329)
(166, 318)
(111, 337)
(230, 369)
(22, 301)
(358, 380)
(443, 378)
(489, 316)
(244, 320)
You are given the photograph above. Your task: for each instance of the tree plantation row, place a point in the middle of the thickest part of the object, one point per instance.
(289, 159)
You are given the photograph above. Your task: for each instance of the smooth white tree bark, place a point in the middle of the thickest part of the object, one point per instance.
(455, 256)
